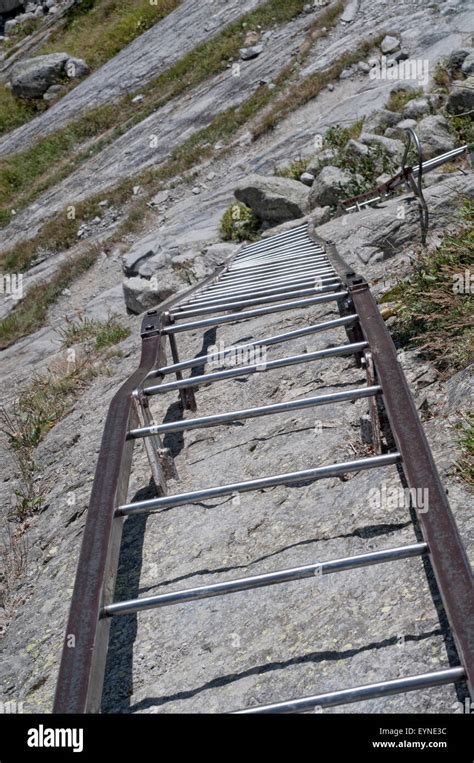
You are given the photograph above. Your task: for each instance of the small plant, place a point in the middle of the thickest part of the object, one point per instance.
(465, 466)
(239, 223)
(463, 129)
(337, 136)
(441, 77)
(399, 100)
(102, 333)
(293, 170)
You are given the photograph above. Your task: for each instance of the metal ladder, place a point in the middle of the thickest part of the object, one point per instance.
(291, 271)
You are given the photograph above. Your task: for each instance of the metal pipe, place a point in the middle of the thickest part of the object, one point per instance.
(194, 381)
(267, 579)
(232, 305)
(308, 475)
(236, 293)
(269, 278)
(265, 342)
(251, 413)
(361, 693)
(234, 317)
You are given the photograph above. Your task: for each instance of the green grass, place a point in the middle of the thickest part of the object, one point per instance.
(336, 137)
(101, 333)
(16, 111)
(435, 310)
(97, 31)
(465, 465)
(30, 313)
(239, 223)
(293, 170)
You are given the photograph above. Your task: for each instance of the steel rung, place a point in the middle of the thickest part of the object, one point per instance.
(308, 475)
(361, 693)
(234, 317)
(236, 294)
(251, 413)
(265, 342)
(260, 367)
(267, 579)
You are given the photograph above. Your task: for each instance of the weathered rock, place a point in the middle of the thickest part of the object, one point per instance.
(379, 120)
(389, 44)
(416, 108)
(53, 93)
(468, 65)
(141, 294)
(350, 12)
(9, 5)
(456, 59)
(355, 149)
(152, 265)
(329, 187)
(76, 68)
(272, 198)
(461, 97)
(320, 215)
(434, 135)
(246, 54)
(307, 178)
(136, 257)
(32, 78)
(320, 160)
(394, 148)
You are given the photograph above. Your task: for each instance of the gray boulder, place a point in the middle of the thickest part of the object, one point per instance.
(272, 198)
(246, 54)
(141, 294)
(389, 44)
(461, 98)
(76, 68)
(307, 178)
(320, 160)
(320, 215)
(379, 120)
(416, 108)
(329, 187)
(456, 59)
(394, 148)
(137, 256)
(434, 135)
(468, 65)
(9, 5)
(355, 149)
(53, 93)
(34, 76)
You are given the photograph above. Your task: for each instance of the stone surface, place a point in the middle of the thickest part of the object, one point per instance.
(379, 120)
(456, 59)
(461, 97)
(141, 294)
(273, 198)
(307, 178)
(33, 77)
(435, 136)
(394, 148)
(468, 65)
(76, 68)
(355, 149)
(246, 54)
(389, 44)
(416, 108)
(329, 187)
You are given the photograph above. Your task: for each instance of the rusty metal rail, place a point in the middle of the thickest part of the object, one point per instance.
(292, 271)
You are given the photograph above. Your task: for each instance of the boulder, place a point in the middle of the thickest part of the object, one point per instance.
(434, 135)
(320, 215)
(355, 149)
(141, 294)
(389, 44)
(9, 5)
(76, 68)
(379, 120)
(329, 187)
(394, 148)
(273, 199)
(246, 54)
(320, 160)
(307, 178)
(416, 108)
(53, 93)
(34, 76)
(136, 257)
(456, 59)
(461, 98)
(350, 11)
(468, 65)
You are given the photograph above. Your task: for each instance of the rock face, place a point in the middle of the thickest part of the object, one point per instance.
(33, 77)
(329, 187)
(379, 120)
(434, 136)
(389, 44)
(416, 108)
(461, 98)
(141, 294)
(273, 199)
(468, 65)
(394, 148)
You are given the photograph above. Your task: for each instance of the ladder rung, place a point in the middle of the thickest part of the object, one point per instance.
(266, 341)
(194, 381)
(308, 475)
(276, 276)
(275, 263)
(297, 231)
(361, 693)
(183, 312)
(235, 292)
(267, 579)
(234, 317)
(282, 246)
(251, 413)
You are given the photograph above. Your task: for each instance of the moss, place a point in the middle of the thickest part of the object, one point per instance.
(239, 223)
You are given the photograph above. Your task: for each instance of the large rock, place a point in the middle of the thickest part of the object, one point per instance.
(468, 65)
(434, 136)
(141, 294)
(389, 44)
(326, 156)
(379, 120)
(76, 68)
(33, 77)
(272, 198)
(456, 59)
(461, 98)
(329, 187)
(394, 148)
(416, 108)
